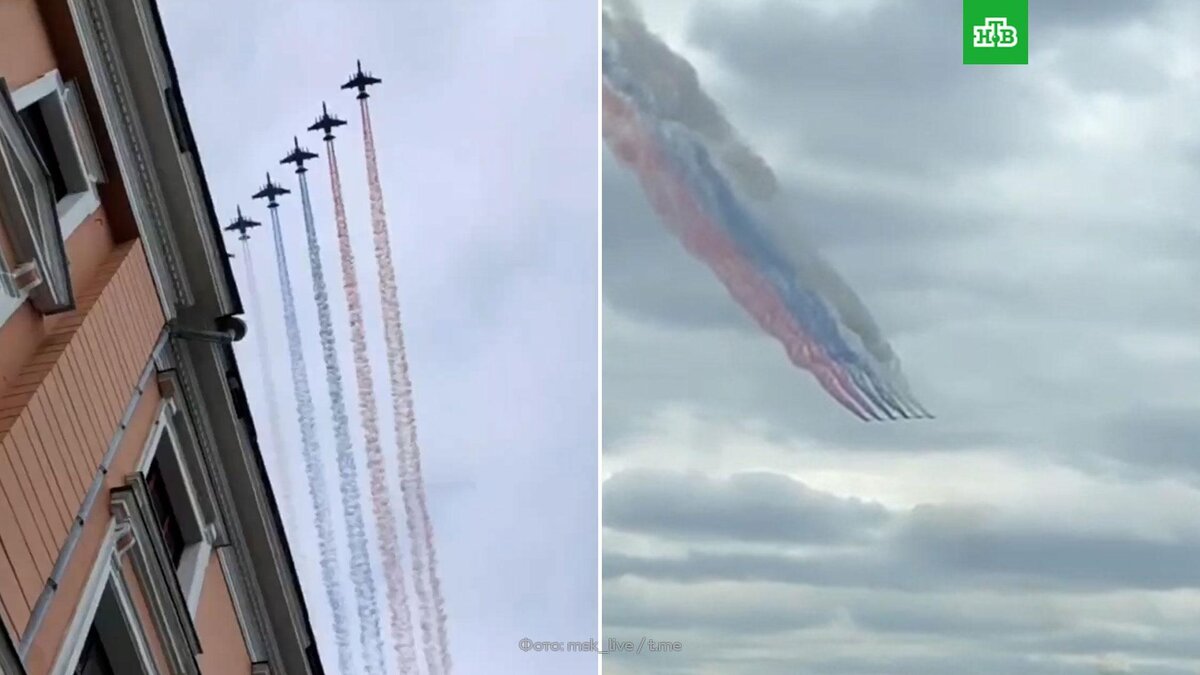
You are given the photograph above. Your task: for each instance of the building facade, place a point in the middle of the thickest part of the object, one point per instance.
(138, 531)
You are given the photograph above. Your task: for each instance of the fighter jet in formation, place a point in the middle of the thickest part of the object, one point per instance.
(361, 81)
(242, 225)
(326, 123)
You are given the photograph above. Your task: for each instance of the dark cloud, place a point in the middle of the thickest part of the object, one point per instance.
(897, 73)
(878, 91)
(971, 544)
(1117, 69)
(827, 630)
(756, 507)
(1152, 440)
(946, 546)
(1091, 14)
(741, 619)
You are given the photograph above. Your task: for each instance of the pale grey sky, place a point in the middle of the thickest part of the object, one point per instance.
(1027, 238)
(486, 126)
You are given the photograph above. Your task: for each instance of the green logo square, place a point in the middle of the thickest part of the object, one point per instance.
(995, 31)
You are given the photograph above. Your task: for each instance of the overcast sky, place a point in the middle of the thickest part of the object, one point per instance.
(1027, 238)
(486, 128)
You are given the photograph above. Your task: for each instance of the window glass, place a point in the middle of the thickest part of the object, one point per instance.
(35, 123)
(94, 659)
(164, 513)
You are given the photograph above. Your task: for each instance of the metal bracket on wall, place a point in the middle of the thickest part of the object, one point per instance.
(124, 533)
(26, 277)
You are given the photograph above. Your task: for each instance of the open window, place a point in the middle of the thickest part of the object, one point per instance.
(10, 661)
(164, 512)
(35, 261)
(114, 644)
(131, 600)
(106, 637)
(144, 554)
(178, 519)
(49, 170)
(94, 660)
(53, 115)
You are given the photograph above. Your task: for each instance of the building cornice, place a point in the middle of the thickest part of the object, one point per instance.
(257, 560)
(187, 156)
(253, 469)
(93, 25)
(247, 597)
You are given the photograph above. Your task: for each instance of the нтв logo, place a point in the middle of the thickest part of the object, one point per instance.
(996, 31)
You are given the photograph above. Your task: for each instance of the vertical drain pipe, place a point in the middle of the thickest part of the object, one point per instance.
(64, 556)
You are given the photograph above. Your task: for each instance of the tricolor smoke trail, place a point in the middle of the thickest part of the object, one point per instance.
(680, 99)
(360, 560)
(432, 610)
(704, 239)
(388, 530)
(326, 542)
(795, 298)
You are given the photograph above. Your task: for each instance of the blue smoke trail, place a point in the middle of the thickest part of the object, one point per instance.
(694, 162)
(312, 458)
(370, 635)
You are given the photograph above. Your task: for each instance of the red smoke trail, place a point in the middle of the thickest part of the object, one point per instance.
(389, 534)
(416, 510)
(282, 482)
(676, 205)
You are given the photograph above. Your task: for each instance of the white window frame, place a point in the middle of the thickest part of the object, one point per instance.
(105, 577)
(193, 566)
(30, 219)
(9, 301)
(78, 148)
(41, 271)
(146, 556)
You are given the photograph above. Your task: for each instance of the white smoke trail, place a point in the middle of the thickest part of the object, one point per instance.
(281, 484)
(312, 458)
(360, 561)
(416, 510)
(679, 96)
(389, 534)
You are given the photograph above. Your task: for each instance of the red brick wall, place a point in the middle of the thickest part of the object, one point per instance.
(45, 647)
(25, 52)
(57, 417)
(224, 650)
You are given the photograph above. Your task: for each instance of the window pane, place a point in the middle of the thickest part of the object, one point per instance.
(94, 660)
(164, 514)
(35, 123)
